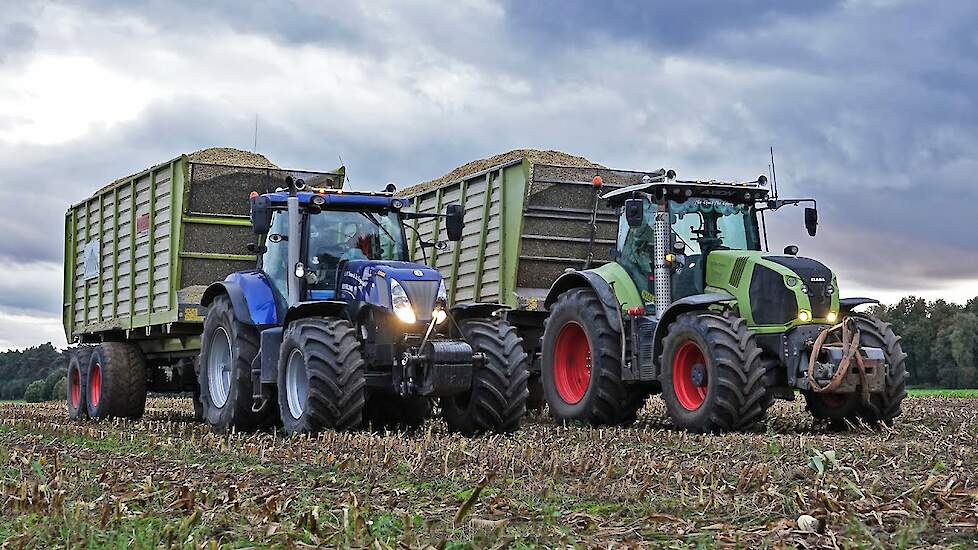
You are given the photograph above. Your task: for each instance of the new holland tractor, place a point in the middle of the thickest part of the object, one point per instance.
(692, 306)
(337, 329)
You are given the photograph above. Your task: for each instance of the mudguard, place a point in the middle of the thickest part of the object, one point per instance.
(684, 305)
(589, 279)
(252, 297)
(318, 308)
(475, 310)
(846, 304)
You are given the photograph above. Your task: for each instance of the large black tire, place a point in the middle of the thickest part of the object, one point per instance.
(334, 375)
(497, 400)
(389, 412)
(844, 410)
(116, 381)
(884, 407)
(233, 411)
(719, 347)
(582, 364)
(77, 386)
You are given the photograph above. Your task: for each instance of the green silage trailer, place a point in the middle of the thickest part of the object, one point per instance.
(139, 254)
(526, 223)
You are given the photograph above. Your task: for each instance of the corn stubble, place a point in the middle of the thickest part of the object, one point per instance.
(166, 481)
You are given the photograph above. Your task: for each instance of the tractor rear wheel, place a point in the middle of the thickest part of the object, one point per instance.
(321, 377)
(884, 407)
(228, 348)
(116, 381)
(497, 400)
(582, 364)
(714, 378)
(78, 382)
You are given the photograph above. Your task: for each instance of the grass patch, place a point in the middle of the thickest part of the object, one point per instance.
(971, 393)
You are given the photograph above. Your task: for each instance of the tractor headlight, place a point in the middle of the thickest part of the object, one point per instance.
(804, 316)
(401, 304)
(832, 317)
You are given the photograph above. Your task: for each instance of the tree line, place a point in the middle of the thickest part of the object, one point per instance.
(939, 337)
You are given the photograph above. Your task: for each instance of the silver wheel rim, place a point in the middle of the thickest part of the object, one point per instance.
(219, 367)
(296, 383)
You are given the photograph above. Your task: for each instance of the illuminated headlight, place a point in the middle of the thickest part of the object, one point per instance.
(804, 316)
(832, 317)
(401, 304)
(439, 316)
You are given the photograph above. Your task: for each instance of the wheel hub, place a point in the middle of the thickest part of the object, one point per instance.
(698, 375)
(219, 367)
(572, 363)
(690, 377)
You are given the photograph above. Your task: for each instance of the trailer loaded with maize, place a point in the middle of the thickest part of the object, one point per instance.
(625, 284)
(277, 298)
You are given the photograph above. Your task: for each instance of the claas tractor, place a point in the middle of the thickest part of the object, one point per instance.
(692, 306)
(337, 329)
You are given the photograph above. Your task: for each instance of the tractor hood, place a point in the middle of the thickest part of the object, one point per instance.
(775, 290)
(371, 281)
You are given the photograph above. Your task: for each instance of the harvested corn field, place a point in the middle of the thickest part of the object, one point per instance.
(168, 481)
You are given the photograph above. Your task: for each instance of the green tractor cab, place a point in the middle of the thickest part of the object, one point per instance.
(694, 307)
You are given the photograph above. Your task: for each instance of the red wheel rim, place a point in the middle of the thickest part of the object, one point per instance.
(690, 394)
(572, 363)
(75, 388)
(95, 385)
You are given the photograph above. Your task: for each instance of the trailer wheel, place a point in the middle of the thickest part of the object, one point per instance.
(714, 378)
(321, 380)
(116, 381)
(582, 363)
(497, 400)
(228, 347)
(78, 382)
(386, 411)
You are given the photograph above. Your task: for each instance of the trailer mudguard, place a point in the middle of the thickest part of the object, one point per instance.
(684, 305)
(594, 281)
(475, 310)
(252, 297)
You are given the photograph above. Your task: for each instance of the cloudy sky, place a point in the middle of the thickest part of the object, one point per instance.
(871, 105)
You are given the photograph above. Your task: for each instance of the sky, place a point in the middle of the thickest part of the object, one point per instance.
(871, 107)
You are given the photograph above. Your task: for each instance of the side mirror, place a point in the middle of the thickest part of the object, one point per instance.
(811, 221)
(454, 221)
(635, 212)
(261, 214)
(791, 250)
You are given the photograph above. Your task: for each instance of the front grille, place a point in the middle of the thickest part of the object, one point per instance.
(422, 295)
(771, 302)
(821, 304)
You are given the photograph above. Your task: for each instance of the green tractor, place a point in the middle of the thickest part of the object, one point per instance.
(692, 306)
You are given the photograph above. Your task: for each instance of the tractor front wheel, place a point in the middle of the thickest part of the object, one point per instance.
(884, 407)
(321, 379)
(582, 364)
(497, 400)
(714, 378)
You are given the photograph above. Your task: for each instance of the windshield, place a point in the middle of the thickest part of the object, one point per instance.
(702, 223)
(336, 236)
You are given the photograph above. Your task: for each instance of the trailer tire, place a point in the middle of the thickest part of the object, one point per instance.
(324, 355)
(390, 412)
(77, 386)
(497, 400)
(579, 384)
(713, 376)
(116, 381)
(226, 404)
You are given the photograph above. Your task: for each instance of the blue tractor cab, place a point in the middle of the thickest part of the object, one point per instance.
(336, 327)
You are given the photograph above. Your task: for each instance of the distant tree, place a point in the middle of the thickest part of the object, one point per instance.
(964, 345)
(59, 391)
(35, 392)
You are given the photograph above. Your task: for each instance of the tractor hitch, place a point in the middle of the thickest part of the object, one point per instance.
(438, 368)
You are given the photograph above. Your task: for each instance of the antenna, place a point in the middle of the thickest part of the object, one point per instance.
(255, 149)
(774, 174)
(346, 173)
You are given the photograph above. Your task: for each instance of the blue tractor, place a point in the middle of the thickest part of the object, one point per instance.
(337, 329)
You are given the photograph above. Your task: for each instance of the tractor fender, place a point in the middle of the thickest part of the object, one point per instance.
(847, 304)
(475, 310)
(606, 294)
(251, 295)
(318, 308)
(677, 308)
